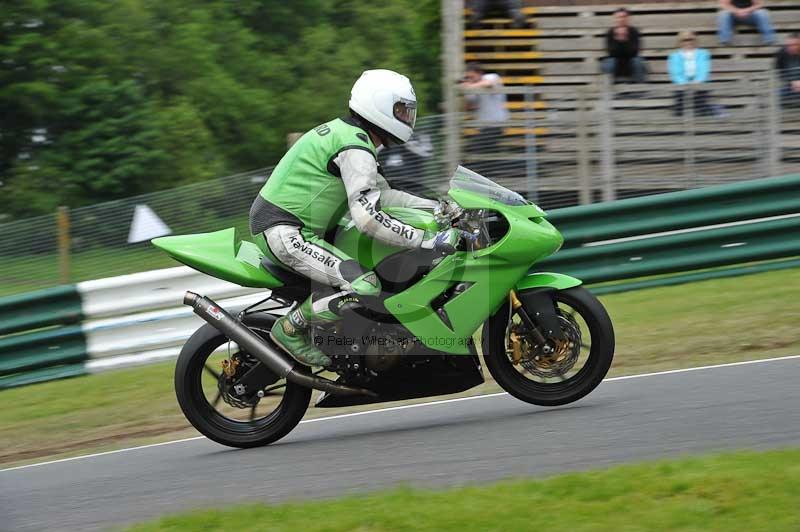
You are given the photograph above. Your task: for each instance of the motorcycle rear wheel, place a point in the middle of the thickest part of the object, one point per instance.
(192, 368)
(520, 383)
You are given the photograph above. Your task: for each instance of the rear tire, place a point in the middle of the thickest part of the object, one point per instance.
(206, 419)
(583, 382)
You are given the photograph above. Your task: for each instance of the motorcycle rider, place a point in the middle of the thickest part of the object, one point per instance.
(332, 169)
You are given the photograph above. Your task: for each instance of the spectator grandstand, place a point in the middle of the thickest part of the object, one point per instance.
(566, 116)
(565, 43)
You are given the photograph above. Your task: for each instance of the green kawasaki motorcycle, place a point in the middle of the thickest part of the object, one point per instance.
(545, 339)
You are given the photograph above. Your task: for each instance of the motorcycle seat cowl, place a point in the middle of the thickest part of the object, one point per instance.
(221, 254)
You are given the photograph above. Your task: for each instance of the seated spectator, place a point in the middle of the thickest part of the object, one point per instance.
(688, 65)
(623, 44)
(747, 12)
(480, 7)
(787, 63)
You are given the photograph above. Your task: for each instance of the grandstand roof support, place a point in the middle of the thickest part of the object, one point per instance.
(774, 109)
(584, 167)
(607, 143)
(452, 66)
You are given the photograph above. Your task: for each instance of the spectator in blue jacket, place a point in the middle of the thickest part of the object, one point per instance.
(687, 65)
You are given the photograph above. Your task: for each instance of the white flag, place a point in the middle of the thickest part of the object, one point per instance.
(146, 225)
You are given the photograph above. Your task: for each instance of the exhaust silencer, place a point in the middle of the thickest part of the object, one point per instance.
(271, 357)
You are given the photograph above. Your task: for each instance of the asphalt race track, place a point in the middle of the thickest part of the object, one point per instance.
(450, 443)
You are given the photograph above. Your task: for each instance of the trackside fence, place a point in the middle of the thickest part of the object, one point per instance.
(137, 318)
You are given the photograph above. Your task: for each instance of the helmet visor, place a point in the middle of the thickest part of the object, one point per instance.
(406, 112)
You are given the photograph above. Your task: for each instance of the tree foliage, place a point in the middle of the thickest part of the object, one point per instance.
(102, 100)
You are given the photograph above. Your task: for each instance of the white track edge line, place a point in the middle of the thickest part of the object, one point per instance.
(404, 407)
(104, 453)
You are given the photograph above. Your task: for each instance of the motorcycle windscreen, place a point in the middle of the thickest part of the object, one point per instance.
(465, 179)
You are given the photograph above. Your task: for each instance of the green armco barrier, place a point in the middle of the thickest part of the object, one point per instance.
(59, 305)
(40, 349)
(681, 252)
(678, 210)
(42, 375)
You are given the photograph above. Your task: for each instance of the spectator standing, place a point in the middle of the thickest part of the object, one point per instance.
(512, 7)
(490, 107)
(623, 44)
(748, 12)
(690, 64)
(787, 63)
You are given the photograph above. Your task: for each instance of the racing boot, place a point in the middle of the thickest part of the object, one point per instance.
(290, 333)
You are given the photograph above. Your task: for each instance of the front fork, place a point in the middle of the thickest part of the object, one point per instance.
(541, 305)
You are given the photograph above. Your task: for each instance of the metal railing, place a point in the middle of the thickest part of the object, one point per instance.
(599, 143)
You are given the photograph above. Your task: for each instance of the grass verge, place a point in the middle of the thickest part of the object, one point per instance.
(725, 320)
(734, 491)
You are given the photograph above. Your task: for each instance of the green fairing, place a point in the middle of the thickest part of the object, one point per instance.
(492, 272)
(220, 254)
(559, 281)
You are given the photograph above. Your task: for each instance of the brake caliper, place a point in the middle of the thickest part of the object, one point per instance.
(229, 367)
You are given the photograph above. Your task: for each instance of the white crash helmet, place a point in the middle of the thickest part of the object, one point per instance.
(387, 101)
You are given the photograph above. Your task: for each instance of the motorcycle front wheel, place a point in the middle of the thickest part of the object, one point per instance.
(567, 368)
(206, 376)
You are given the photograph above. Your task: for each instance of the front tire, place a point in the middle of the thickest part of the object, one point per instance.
(587, 378)
(203, 414)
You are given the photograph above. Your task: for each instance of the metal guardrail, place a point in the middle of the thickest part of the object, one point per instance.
(103, 324)
(677, 232)
(33, 310)
(696, 249)
(759, 198)
(136, 319)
